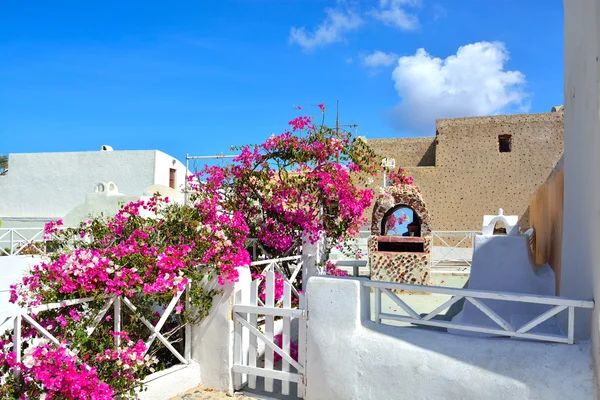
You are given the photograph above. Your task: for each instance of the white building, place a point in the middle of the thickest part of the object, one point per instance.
(39, 187)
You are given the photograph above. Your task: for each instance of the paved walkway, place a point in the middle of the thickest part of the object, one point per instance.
(206, 394)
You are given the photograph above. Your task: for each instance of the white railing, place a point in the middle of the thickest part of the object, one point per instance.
(459, 252)
(354, 264)
(27, 315)
(473, 296)
(253, 245)
(13, 241)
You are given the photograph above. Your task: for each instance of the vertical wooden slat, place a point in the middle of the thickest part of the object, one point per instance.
(253, 320)
(188, 327)
(302, 325)
(286, 335)
(571, 326)
(237, 345)
(269, 326)
(117, 320)
(377, 305)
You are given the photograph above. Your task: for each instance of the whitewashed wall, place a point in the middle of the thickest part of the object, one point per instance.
(164, 163)
(12, 269)
(581, 233)
(350, 357)
(49, 185)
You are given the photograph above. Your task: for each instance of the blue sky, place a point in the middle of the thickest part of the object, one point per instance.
(200, 76)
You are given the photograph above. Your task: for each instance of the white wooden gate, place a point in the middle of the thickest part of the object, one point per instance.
(284, 355)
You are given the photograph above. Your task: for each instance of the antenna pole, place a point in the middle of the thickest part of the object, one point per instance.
(337, 118)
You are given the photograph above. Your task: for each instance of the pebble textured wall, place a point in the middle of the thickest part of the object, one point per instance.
(471, 177)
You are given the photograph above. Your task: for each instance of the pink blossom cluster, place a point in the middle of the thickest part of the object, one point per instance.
(400, 178)
(279, 287)
(333, 270)
(278, 340)
(296, 183)
(129, 255)
(392, 222)
(51, 228)
(52, 372)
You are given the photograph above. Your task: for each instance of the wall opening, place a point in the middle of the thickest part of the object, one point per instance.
(401, 220)
(499, 228)
(172, 174)
(504, 143)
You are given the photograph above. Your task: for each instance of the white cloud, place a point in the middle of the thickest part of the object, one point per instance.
(332, 29)
(470, 83)
(394, 13)
(380, 59)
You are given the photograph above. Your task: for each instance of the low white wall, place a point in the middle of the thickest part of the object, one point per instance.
(350, 357)
(169, 383)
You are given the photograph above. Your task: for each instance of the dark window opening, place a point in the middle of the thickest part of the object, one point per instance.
(401, 247)
(499, 228)
(172, 173)
(504, 143)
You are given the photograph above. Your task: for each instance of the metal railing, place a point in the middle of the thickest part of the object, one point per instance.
(474, 297)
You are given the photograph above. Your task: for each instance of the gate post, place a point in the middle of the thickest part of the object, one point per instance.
(313, 255)
(213, 337)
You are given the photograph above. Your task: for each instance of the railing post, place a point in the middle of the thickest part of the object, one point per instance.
(12, 242)
(117, 321)
(17, 344)
(188, 327)
(571, 328)
(377, 305)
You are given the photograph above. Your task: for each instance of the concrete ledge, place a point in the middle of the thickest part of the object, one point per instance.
(169, 383)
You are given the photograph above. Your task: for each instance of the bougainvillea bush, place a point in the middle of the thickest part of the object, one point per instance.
(148, 252)
(303, 184)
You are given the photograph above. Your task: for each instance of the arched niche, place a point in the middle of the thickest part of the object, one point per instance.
(393, 198)
(416, 220)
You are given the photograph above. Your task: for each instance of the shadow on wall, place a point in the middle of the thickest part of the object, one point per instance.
(428, 159)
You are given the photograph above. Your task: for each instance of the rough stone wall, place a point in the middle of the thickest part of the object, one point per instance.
(411, 152)
(471, 177)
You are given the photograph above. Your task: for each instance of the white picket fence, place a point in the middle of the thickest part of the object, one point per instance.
(246, 319)
(474, 296)
(27, 315)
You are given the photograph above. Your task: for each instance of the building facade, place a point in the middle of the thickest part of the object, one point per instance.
(474, 166)
(39, 187)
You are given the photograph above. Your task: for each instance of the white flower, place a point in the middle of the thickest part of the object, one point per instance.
(28, 359)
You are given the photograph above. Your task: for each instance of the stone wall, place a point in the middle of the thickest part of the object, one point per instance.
(463, 174)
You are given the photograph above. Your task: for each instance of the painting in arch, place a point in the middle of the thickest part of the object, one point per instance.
(400, 242)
